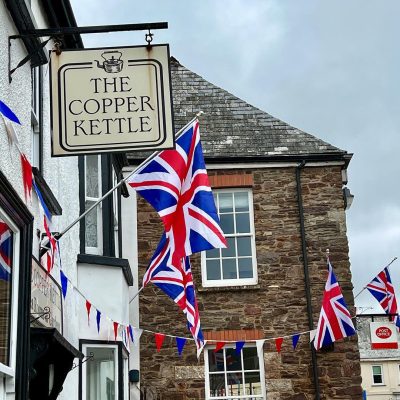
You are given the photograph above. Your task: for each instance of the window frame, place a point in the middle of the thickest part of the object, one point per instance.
(234, 397)
(121, 356)
(372, 375)
(238, 281)
(37, 117)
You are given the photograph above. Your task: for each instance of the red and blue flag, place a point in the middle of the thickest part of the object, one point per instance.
(6, 250)
(382, 289)
(334, 322)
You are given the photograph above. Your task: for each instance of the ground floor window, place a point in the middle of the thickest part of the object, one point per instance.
(104, 374)
(234, 375)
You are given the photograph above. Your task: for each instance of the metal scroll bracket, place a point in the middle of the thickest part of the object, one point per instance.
(53, 33)
(45, 314)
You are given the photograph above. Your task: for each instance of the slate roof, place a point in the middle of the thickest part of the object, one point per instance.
(231, 129)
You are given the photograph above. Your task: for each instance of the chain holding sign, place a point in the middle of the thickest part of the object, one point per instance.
(110, 100)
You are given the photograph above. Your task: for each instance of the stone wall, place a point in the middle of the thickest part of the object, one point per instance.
(276, 311)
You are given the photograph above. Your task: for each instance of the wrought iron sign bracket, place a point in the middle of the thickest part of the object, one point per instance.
(45, 314)
(57, 33)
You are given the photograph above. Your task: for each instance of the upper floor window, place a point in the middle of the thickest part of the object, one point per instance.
(93, 191)
(230, 375)
(36, 116)
(235, 265)
(377, 375)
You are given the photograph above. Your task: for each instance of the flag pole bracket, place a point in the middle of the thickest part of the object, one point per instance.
(85, 359)
(58, 33)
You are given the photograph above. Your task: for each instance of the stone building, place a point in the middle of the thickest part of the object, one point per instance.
(280, 195)
(379, 356)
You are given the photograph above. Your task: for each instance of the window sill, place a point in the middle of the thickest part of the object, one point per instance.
(228, 288)
(122, 263)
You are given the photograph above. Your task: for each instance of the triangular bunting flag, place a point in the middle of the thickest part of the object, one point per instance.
(260, 346)
(159, 337)
(130, 332)
(88, 307)
(180, 343)
(98, 318)
(239, 347)
(26, 176)
(278, 344)
(219, 346)
(8, 113)
(64, 283)
(12, 136)
(312, 334)
(137, 332)
(295, 340)
(200, 349)
(115, 326)
(127, 334)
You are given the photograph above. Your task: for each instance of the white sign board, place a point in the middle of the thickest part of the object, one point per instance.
(383, 335)
(46, 305)
(111, 100)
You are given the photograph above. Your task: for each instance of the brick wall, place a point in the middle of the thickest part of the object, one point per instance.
(271, 311)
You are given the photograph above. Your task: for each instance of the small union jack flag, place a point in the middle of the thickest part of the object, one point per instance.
(382, 289)
(334, 320)
(174, 277)
(6, 247)
(176, 184)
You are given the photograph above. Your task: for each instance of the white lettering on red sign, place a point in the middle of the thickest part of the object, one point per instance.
(383, 332)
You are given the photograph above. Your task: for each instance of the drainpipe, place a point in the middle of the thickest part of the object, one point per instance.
(307, 278)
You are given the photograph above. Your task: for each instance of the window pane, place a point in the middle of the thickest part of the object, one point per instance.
(217, 385)
(376, 370)
(215, 360)
(225, 202)
(229, 268)
(214, 253)
(92, 176)
(245, 268)
(250, 358)
(233, 360)
(241, 201)
(6, 260)
(100, 374)
(227, 225)
(91, 226)
(230, 251)
(213, 269)
(244, 246)
(235, 384)
(242, 223)
(252, 383)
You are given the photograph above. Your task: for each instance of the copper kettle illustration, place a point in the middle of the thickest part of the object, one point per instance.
(112, 61)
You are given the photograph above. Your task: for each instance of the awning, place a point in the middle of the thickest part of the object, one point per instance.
(51, 359)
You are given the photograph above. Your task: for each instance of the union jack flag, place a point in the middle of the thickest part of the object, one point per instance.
(173, 276)
(5, 251)
(382, 289)
(334, 320)
(176, 184)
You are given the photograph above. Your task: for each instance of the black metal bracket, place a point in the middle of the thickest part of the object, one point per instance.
(45, 314)
(59, 32)
(85, 359)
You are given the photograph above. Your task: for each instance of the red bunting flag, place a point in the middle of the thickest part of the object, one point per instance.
(26, 176)
(159, 337)
(278, 344)
(88, 307)
(219, 346)
(115, 324)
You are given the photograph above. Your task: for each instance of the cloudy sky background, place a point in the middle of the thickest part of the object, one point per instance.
(330, 68)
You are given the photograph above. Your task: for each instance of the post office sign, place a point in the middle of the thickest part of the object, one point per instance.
(111, 100)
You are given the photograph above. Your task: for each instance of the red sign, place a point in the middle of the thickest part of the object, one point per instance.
(383, 332)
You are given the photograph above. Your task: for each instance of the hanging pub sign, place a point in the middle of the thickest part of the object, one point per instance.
(383, 335)
(111, 100)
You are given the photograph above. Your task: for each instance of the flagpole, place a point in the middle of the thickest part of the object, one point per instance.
(391, 262)
(122, 181)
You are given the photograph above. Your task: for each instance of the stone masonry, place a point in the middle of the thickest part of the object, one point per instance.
(276, 311)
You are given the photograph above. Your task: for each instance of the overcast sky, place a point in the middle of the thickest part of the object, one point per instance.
(330, 68)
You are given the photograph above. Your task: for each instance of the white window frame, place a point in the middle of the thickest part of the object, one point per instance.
(372, 375)
(99, 210)
(35, 115)
(244, 397)
(239, 281)
(86, 351)
(115, 214)
(9, 370)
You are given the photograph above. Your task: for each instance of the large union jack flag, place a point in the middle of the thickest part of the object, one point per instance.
(173, 276)
(334, 320)
(5, 251)
(176, 184)
(382, 289)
